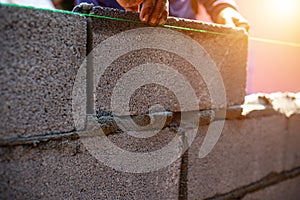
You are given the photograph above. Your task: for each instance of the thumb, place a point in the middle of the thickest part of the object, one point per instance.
(229, 22)
(242, 23)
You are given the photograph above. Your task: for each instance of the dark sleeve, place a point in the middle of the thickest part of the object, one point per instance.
(103, 3)
(214, 7)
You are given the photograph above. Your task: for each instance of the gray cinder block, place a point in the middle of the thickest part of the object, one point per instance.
(66, 170)
(225, 47)
(247, 151)
(288, 189)
(292, 157)
(41, 52)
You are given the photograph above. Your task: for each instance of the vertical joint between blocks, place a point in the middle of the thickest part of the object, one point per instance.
(89, 70)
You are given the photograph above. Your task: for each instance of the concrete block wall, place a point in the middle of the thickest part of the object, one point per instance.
(42, 155)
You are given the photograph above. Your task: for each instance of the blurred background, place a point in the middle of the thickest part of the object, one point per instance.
(271, 67)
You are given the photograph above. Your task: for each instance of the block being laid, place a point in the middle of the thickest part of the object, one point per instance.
(41, 52)
(159, 65)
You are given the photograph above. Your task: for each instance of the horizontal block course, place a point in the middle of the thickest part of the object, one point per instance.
(227, 49)
(65, 169)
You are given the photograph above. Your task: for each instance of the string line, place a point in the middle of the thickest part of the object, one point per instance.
(258, 39)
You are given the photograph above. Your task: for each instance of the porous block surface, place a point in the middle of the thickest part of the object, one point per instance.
(41, 52)
(225, 47)
(247, 151)
(66, 170)
(292, 158)
(288, 189)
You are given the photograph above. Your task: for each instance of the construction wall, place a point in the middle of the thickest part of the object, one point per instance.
(48, 144)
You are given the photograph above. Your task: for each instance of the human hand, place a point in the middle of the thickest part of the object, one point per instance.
(231, 17)
(153, 11)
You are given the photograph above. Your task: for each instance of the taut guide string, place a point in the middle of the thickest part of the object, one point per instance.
(258, 39)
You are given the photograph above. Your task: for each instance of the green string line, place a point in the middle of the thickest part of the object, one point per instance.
(258, 39)
(165, 25)
(117, 19)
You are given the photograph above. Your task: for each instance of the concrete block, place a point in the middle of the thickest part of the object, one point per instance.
(292, 155)
(66, 170)
(41, 52)
(247, 151)
(288, 189)
(225, 47)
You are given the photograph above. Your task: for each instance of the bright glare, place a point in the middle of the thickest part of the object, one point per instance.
(285, 8)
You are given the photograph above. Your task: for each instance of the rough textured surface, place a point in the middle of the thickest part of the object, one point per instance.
(41, 52)
(66, 170)
(285, 190)
(36, 84)
(246, 151)
(292, 158)
(229, 53)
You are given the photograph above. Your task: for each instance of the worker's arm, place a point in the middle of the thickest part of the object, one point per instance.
(152, 11)
(225, 12)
